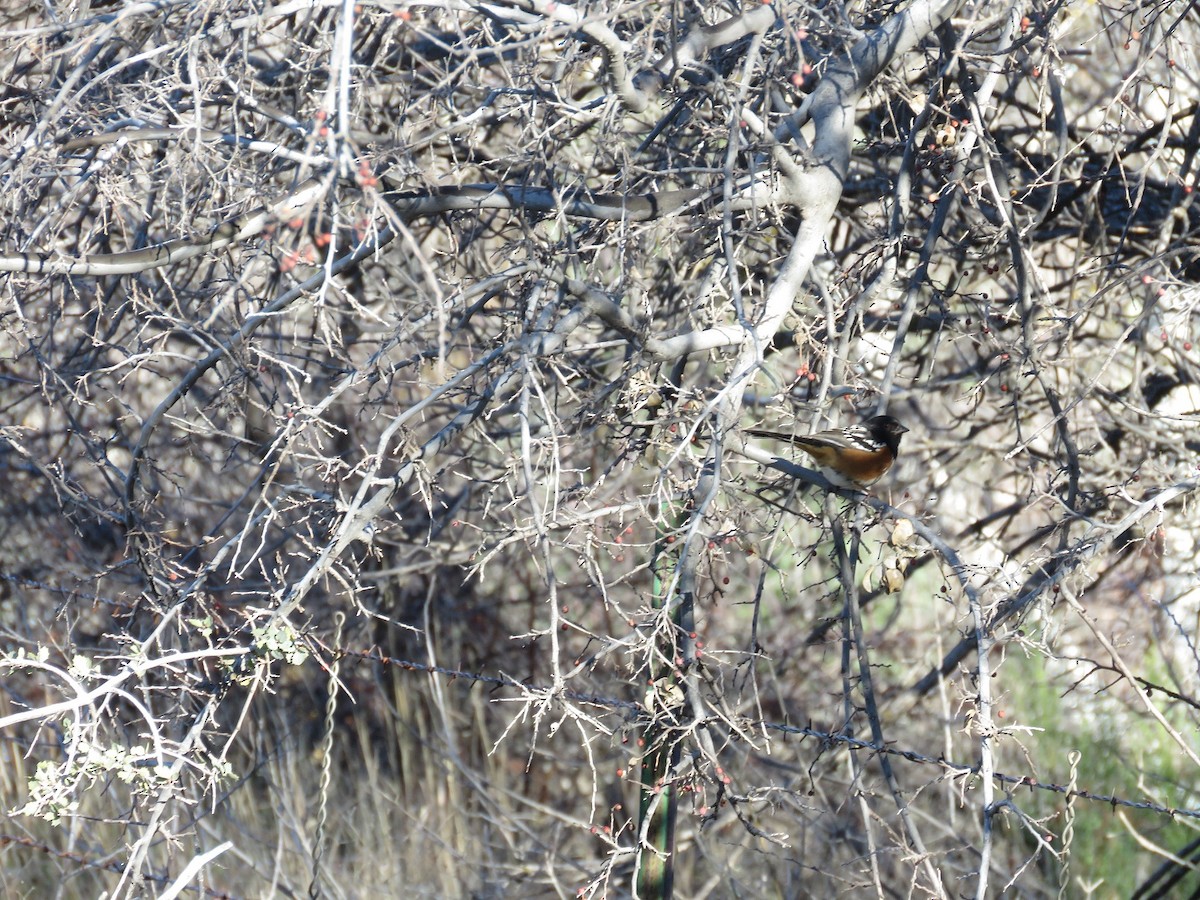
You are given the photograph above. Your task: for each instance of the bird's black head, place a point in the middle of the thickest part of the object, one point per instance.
(886, 430)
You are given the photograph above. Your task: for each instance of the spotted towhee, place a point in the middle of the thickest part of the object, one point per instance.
(854, 457)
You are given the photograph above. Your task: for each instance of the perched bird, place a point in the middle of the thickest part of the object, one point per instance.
(854, 457)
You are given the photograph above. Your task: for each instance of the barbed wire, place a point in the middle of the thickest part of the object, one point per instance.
(830, 737)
